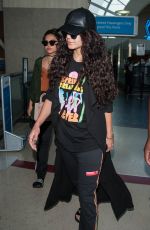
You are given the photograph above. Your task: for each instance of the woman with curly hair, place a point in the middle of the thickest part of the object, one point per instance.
(80, 102)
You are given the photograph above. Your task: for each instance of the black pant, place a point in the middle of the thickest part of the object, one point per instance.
(84, 170)
(44, 142)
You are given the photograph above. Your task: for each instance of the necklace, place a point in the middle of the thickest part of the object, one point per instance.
(49, 58)
(50, 55)
(47, 61)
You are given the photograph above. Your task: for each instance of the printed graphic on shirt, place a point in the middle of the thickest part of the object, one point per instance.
(72, 103)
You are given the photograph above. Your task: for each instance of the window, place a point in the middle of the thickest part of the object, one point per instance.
(107, 7)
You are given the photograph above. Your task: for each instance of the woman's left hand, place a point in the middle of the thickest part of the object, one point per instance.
(109, 143)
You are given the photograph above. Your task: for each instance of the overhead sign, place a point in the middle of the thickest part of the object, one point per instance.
(117, 25)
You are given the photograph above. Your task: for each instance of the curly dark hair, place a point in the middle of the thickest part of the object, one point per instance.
(97, 67)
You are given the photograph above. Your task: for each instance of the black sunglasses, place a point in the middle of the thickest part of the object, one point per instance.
(71, 35)
(51, 42)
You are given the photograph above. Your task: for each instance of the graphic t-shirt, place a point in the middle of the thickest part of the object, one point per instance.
(72, 132)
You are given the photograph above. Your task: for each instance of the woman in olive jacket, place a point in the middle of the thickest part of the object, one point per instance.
(39, 86)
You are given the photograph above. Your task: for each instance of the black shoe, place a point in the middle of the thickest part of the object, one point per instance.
(77, 215)
(38, 183)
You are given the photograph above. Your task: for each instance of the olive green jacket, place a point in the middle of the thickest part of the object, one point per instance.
(35, 85)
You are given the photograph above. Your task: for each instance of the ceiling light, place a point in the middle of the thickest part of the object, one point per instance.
(122, 12)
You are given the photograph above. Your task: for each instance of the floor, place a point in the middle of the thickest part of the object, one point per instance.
(21, 206)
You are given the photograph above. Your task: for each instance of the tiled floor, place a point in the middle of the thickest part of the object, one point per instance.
(21, 206)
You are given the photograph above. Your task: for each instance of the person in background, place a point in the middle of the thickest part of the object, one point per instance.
(147, 144)
(128, 75)
(39, 85)
(82, 90)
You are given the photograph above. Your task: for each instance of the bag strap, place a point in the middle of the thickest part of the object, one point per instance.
(42, 95)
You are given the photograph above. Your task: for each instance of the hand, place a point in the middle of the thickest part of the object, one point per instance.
(30, 107)
(109, 143)
(33, 137)
(147, 151)
(29, 112)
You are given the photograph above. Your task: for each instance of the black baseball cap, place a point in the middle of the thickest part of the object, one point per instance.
(79, 20)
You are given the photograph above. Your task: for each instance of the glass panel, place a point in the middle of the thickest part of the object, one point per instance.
(125, 2)
(105, 4)
(109, 14)
(17, 96)
(96, 10)
(116, 5)
(98, 2)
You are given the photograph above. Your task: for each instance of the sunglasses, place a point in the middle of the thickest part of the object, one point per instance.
(51, 42)
(71, 35)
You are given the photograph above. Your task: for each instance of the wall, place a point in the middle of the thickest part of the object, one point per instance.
(135, 6)
(23, 31)
(1, 36)
(1, 5)
(2, 53)
(45, 3)
(24, 25)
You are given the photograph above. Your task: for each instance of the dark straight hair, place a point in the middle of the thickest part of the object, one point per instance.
(53, 31)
